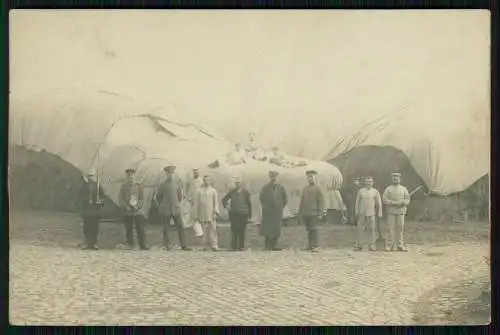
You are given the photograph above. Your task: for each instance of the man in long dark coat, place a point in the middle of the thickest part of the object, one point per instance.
(273, 200)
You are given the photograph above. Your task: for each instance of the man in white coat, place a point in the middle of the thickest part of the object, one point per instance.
(368, 205)
(335, 207)
(206, 209)
(194, 183)
(396, 197)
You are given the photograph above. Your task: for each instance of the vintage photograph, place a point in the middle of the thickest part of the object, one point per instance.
(237, 167)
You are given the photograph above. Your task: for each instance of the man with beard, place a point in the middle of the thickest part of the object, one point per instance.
(169, 197)
(311, 209)
(273, 200)
(91, 200)
(396, 197)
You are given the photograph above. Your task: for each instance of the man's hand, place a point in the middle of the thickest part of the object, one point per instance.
(380, 214)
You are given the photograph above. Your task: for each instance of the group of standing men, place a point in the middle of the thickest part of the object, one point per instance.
(204, 201)
(368, 209)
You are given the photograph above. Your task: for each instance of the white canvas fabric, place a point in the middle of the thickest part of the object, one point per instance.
(103, 132)
(450, 150)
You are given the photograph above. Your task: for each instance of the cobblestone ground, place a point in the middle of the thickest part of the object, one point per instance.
(466, 300)
(62, 286)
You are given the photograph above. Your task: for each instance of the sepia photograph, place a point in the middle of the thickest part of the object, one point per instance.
(249, 167)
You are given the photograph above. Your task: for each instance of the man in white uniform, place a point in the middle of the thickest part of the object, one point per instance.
(206, 209)
(253, 148)
(396, 198)
(368, 204)
(192, 186)
(237, 156)
(279, 158)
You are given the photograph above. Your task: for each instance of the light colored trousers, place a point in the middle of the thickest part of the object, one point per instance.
(210, 234)
(396, 226)
(367, 232)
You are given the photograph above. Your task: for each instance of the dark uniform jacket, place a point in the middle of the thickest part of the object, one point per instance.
(128, 191)
(87, 199)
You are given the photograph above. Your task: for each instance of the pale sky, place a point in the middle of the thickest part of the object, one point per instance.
(309, 74)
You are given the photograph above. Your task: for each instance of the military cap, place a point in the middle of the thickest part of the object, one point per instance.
(169, 168)
(311, 173)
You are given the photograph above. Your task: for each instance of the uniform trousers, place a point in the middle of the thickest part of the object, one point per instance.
(367, 230)
(210, 234)
(396, 226)
(270, 243)
(179, 225)
(135, 220)
(238, 226)
(311, 223)
(91, 229)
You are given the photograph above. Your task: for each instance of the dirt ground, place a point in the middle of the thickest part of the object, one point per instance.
(64, 230)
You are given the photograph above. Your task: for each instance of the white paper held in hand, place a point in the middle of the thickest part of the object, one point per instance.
(133, 201)
(198, 229)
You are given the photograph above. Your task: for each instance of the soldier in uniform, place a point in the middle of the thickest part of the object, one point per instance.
(312, 209)
(368, 206)
(206, 210)
(396, 197)
(168, 198)
(91, 200)
(335, 206)
(273, 200)
(192, 187)
(240, 212)
(131, 200)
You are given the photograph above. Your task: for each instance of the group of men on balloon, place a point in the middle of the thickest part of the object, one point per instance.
(201, 194)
